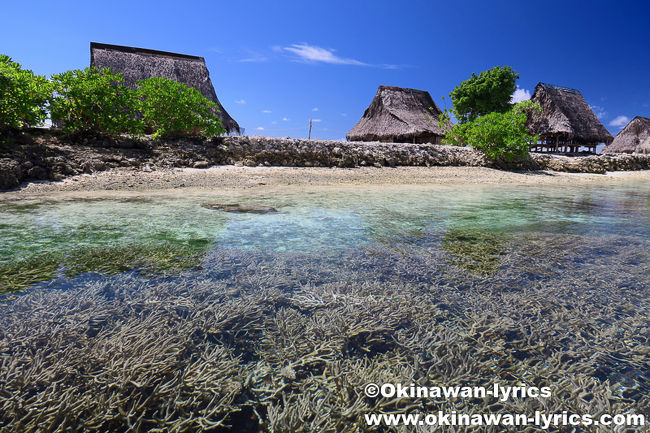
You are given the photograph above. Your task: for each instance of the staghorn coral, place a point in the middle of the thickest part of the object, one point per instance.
(285, 342)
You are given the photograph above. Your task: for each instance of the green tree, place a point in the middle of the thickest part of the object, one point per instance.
(488, 92)
(94, 101)
(23, 96)
(501, 136)
(172, 109)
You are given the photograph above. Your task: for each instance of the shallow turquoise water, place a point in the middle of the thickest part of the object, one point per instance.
(544, 285)
(326, 221)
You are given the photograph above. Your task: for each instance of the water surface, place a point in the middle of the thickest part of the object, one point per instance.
(542, 285)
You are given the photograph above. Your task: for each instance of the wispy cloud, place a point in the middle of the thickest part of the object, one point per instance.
(250, 56)
(316, 120)
(520, 95)
(240, 101)
(598, 111)
(619, 121)
(285, 119)
(314, 54)
(259, 128)
(266, 111)
(255, 59)
(314, 109)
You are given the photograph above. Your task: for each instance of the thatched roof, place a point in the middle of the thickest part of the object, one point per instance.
(566, 113)
(634, 138)
(400, 115)
(139, 63)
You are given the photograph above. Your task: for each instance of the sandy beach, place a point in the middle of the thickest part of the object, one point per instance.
(236, 178)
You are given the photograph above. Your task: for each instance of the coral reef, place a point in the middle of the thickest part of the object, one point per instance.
(285, 342)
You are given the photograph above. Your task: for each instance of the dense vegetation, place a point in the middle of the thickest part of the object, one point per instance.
(488, 92)
(93, 101)
(501, 136)
(171, 109)
(23, 96)
(487, 120)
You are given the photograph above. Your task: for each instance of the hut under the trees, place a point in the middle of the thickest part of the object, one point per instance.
(634, 138)
(139, 63)
(399, 115)
(566, 122)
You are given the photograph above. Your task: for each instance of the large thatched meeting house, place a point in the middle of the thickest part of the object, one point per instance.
(139, 63)
(399, 115)
(566, 122)
(634, 138)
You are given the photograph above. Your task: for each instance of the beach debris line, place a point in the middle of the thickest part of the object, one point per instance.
(240, 208)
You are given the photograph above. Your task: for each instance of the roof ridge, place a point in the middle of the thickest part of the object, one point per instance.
(137, 50)
(560, 88)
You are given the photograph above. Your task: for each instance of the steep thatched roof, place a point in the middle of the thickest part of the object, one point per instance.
(634, 138)
(401, 115)
(139, 63)
(566, 113)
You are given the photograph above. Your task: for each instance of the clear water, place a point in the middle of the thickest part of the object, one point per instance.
(325, 221)
(564, 267)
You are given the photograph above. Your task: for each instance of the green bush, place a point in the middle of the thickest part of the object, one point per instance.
(172, 109)
(94, 101)
(23, 96)
(501, 136)
(488, 92)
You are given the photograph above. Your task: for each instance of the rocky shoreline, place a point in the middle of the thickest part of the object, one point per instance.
(49, 155)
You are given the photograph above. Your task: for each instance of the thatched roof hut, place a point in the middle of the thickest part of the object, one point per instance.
(634, 138)
(140, 63)
(566, 122)
(401, 116)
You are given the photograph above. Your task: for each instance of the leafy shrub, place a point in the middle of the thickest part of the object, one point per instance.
(23, 95)
(499, 135)
(94, 101)
(172, 109)
(488, 92)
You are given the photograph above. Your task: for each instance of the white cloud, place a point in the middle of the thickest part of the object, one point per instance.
(598, 111)
(520, 95)
(253, 57)
(240, 101)
(266, 111)
(314, 109)
(314, 54)
(274, 123)
(619, 121)
(316, 120)
(285, 119)
(259, 128)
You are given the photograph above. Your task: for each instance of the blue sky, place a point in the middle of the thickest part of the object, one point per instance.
(276, 64)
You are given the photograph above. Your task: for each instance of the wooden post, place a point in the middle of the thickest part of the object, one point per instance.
(309, 137)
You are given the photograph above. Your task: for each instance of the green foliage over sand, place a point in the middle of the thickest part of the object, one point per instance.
(23, 96)
(93, 101)
(172, 109)
(501, 136)
(488, 92)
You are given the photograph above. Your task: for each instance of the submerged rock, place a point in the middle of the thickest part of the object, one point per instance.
(241, 208)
